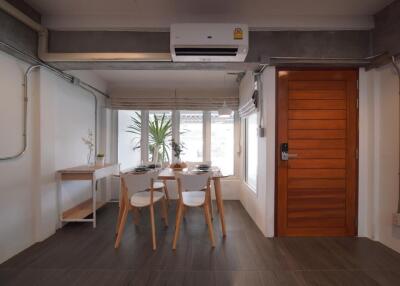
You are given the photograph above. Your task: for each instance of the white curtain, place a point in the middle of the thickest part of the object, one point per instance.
(154, 99)
(248, 95)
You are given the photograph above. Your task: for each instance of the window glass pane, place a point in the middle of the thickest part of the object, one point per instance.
(160, 135)
(191, 135)
(128, 138)
(251, 151)
(222, 143)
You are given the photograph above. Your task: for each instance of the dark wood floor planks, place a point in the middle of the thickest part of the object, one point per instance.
(80, 255)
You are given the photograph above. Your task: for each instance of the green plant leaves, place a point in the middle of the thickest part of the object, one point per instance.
(160, 130)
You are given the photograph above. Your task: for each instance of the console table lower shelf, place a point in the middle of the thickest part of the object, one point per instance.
(81, 211)
(84, 173)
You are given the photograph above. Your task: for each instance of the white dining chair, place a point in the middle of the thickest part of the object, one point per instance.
(194, 191)
(192, 165)
(157, 186)
(137, 191)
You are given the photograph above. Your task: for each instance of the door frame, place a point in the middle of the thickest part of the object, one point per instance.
(277, 146)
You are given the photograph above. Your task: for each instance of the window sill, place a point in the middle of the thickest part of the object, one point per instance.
(231, 178)
(252, 189)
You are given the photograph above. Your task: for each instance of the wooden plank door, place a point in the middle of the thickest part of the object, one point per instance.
(317, 117)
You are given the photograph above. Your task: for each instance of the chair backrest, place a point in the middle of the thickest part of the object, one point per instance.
(193, 182)
(138, 182)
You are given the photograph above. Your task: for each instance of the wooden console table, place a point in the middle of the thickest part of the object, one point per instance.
(83, 173)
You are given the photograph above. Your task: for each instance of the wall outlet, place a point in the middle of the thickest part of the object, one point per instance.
(396, 219)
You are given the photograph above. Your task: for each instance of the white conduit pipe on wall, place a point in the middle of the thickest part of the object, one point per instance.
(44, 55)
(69, 78)
(395, 62)
(260, 103)
(25, 123)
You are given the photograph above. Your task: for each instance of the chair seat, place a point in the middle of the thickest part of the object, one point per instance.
(158, 185)
(142, 199)
(193, 198)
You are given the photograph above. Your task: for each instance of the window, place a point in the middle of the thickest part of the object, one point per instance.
(205, 137)
(191, 135)
(222, 142)
(251, 151)
(128, 139)
(160, 135)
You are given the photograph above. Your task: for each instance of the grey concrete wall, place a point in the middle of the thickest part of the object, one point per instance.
(315, 44)
(108, 41)
(26, 9)
(341, 44)
(386, 34)
(263, 44)
(17, 34)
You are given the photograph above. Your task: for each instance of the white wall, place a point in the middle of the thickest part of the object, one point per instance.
(66, 114)
(59, 115)
(260, 206)
(16, 176)
(379, 155)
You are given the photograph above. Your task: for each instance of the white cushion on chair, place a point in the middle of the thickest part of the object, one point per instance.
(158, 185)
(194, 198)
(142, 199)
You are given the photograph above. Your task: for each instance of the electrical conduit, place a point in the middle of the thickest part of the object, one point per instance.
(397, 69)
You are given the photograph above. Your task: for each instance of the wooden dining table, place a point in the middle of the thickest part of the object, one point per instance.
(169, 174)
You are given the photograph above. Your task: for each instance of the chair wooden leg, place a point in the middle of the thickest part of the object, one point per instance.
(211, 207)
(178, 201)
(220, 204)
(164, 210)
(153, 227)
(209, 223)
(177, 225)
(183, 206)
(120, 211)
(204, 212)
(121, 227)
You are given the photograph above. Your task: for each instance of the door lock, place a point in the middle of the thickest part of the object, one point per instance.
(285, 156)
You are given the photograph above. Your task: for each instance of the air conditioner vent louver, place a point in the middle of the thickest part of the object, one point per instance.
(205, 42)
(206, 51)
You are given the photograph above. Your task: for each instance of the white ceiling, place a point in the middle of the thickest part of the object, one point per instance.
(261, 14)
(168, 79)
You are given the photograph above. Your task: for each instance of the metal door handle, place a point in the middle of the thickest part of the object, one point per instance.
(286, 156)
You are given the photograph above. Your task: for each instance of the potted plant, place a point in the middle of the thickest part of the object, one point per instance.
(100, 159)
(160, 129)
(178, 149)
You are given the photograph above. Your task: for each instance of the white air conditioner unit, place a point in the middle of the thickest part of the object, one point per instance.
(209, 42)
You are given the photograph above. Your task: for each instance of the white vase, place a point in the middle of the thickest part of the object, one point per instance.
(100, 161)
(155, 154)
(89, 157)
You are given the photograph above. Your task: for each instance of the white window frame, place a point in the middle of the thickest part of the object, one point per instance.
(236, 145)
(177, 128)
(144, 140)
(175, 136)
(245, 161)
